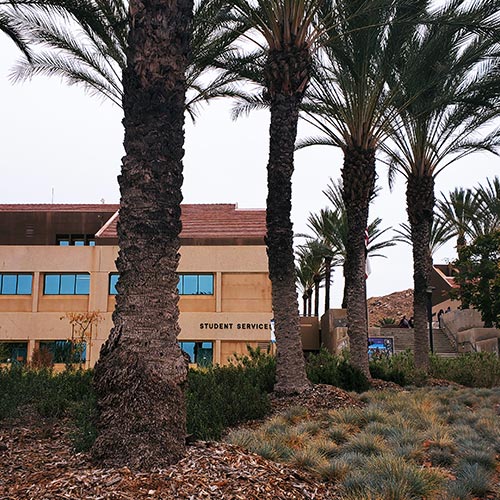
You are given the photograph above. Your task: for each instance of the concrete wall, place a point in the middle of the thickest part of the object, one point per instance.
(334, 330)
(462, 319)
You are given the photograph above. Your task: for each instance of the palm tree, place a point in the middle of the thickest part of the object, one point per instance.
(488, 197)
(310, 273)
(350, 104)
(471, 212)
(85, 43)
(447, 77)
(285, 34)
(459, 210)
(141, 374)
(440, 233)
(9, 26)
(329, 231)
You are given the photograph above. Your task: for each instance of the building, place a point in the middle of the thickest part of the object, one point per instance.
(58, 277)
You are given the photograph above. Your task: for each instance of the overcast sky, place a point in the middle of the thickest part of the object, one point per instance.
(58, 144)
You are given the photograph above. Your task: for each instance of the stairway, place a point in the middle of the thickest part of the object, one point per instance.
(442, 346)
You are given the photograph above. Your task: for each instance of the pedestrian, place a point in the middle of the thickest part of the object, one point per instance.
(404, 323)
(440, 318)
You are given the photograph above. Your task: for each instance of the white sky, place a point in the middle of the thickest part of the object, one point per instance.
(55, 138)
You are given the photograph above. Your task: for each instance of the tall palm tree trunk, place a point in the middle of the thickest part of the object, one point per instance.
(290, 367)
(317, 281)
(420, 188)
(328, 281)
(141, 374)
(358, 177)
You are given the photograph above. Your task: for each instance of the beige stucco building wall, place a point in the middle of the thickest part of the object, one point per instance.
(237, 314)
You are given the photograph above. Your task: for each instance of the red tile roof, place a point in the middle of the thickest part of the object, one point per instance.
(223, 221)
(59, 207)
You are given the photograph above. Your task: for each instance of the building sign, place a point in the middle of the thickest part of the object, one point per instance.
(235, 326)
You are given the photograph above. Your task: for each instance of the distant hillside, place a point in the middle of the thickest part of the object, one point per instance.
(394, 305)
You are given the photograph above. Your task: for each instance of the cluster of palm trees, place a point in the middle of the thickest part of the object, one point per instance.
(402, 79)
(325, 248)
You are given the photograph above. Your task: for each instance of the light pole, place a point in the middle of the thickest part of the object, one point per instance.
(429, 316)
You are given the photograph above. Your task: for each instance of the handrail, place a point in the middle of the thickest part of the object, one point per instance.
(449, 335)
(465, 342)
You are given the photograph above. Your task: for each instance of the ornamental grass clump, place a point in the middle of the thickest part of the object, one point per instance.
(472, 480)
(392, 478)
(401, 446)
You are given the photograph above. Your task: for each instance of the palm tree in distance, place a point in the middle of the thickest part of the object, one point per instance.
(488, 197)
(459, 210)
(349, 103)
(329, 231)
(446, 76)
(310, 272)
(471, 212)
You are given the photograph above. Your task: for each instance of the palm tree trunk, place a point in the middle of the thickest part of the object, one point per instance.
(328, 281)
(141, 375)
(290, 368)
(420, 204)
(316, 296)
(358, 177)
(304, 303)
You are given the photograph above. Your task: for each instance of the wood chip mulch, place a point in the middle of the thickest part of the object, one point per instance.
(319, 398)
(37, 463)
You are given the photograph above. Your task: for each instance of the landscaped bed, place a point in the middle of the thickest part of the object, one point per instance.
(437, 442)
(386, 444)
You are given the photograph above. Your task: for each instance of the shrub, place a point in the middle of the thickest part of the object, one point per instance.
(386, 322)
(476, 369)
(399, 369)
(260, 367)
(326, 368)
(221, 397)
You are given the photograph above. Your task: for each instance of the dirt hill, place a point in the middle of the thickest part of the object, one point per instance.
(394, 305)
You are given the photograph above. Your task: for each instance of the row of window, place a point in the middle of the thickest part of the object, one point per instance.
(79, 284)
(77, 240)
(59, 351)
(64, 351)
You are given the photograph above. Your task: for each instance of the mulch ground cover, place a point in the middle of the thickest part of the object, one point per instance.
(37, 463)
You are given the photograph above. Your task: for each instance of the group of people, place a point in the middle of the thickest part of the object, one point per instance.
(408, 323)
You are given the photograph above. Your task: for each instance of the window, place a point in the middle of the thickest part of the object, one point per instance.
(67, 284)
(77, 240)
(189, 284)
(65, 351)
(113, 280)
(200, 353)
(196, 284)
(13, 352)
(15, 284)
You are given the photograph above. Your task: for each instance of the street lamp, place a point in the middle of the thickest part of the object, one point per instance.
(429, 316)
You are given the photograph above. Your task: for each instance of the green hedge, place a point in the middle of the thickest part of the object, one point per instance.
(326, 368)
(477, 369)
